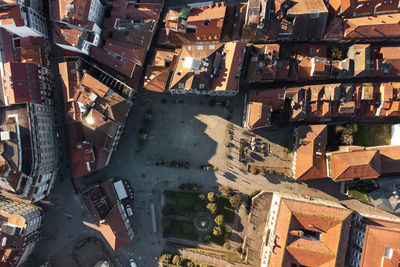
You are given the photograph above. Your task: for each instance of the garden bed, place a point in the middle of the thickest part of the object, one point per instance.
(180, 229)
(182, 203)
(373, 135)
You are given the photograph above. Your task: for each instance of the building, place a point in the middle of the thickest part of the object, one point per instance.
(108, 214)
(127, 36)
(309, 152)
(283, 19)
(265, 65)
(26, 82)
(212, 69)
(159, 70)
(23, 20)
(77, 24)
(97, 106)
(352, 8)
(29, 159)
(190, 25)
(348, 163)
(24, 49)
(19, 231)
(261, 106)
(299, 231)
(374, 241)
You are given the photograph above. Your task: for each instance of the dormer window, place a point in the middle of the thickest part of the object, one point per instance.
(207, 22)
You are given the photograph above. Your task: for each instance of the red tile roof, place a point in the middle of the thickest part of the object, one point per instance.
(310, 153)
(381, 26)
(376, 241)
(356, 164)
(295, 218)
(69, 79)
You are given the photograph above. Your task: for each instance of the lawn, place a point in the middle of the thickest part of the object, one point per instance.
(182, 230)
(220, 240)
(372, 135)
(359, 195)
(183, 203)
(225, 208)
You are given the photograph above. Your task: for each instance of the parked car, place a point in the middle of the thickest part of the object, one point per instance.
(129, 210)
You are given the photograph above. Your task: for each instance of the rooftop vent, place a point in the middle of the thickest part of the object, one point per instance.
(5, 136)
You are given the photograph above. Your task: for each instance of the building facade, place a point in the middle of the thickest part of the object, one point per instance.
(29, 158)
(19, 230)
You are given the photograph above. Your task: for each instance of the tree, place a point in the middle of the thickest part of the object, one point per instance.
(217, 231)
(166, 223)
(177, 260)
(211, 197)
(202, 197)
(190, 264)
(336, 53)
(225, 190)
(230, 137)
(166, 258)
(212, 207)
(254, 170)
(236, 201)
(219, 220)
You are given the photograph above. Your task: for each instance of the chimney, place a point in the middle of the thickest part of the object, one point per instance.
(376, 7)
(357, 8)
(296, 232)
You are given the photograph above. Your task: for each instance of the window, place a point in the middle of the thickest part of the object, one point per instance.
(189, 48)
(367, 3)
(281, 96)
(199, 47)
(201, 86)
(181, 85)
(212, 46)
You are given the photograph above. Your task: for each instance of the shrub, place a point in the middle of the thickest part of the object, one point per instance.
(212, 207)
(227, 245)
(208, 168)
(241, 149)
(230, 137)
(166, 258)
(207, 237)
(211, 197)
(202, 196)
(166, 223)
(225, 190)
(219, 220)
(236, 201)
(190, 264)
(215, 168)
(271, 172)
(254, 170)
(177, 260)
(350, 129)
(336, 53)
(186, 228)
(288, 150)
(217, 231)
(195, 187)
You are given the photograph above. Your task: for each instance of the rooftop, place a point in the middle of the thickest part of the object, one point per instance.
(310, 234)
(210, 67)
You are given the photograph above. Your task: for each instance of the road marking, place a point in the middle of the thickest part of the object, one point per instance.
(153, 217)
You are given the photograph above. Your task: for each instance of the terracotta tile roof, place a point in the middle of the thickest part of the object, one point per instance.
(80, 10)
(33, 50)
(390, 109)
(326, 247)
(335, 28)
(69, 79)
(357, 164)
(103, 205)
(213, 67)
(121, 65)
(265, 65)
(390, 159)
(11, 15)
(381, 26)
(376, 241)
(260, 106)
(310, 152)
(65, 35)
(82, 159)
(208, 21)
